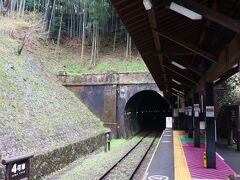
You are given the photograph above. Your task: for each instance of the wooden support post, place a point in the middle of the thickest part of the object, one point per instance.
(238, 128)
(210, 126)
(190, 119)
(196, 111)
(186, 117)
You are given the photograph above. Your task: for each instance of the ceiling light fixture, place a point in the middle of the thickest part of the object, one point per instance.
(178, 65)
(178, 91)
(174, 94)
(147, 4)
(185, 12)
(176, 82)
(216, 80)
(234, 66)
(181, 92)
(175, 89)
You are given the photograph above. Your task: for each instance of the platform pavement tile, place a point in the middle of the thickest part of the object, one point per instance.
(181, 170)
(194, 158)
(186, 139)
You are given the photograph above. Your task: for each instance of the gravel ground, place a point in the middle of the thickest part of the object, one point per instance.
(126, 167)
(96, 164)
(143, 167)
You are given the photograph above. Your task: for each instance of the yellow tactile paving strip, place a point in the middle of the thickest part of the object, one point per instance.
(181, 170)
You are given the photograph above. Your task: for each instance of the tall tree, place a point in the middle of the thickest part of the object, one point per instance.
(52, 16)
(83, 29)
(99, 15)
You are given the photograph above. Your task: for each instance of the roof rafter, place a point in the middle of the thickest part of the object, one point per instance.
(217, 17)
(188, 46)
(181, 74)
(193, 69)
(173, 53)
(153, 24)
(183, 83)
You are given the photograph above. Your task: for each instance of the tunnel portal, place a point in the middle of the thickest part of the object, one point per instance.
(146, 110)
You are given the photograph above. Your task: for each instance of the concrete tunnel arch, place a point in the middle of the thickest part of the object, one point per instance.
(146, 110)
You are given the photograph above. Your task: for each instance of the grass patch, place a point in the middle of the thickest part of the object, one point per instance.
(94, 166)
(115, 65)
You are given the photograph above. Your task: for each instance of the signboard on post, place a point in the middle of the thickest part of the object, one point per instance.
(186, 111)
(17, 167)
(189, 110)
(169, 122)
(196, 108)
(210, 111)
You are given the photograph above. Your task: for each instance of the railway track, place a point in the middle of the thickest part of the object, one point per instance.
(127, 166)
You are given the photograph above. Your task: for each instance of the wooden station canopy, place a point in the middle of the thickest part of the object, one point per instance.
(184, 42)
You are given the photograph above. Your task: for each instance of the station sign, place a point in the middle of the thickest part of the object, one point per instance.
(189, 110)
(186, 111)
(196, 108)
(17, 167)
(210, 111)
(122, 93)
(169, 122)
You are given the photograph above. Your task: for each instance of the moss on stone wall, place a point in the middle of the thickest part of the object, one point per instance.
(52, 161)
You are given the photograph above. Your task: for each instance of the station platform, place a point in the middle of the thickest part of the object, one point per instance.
(176, 158)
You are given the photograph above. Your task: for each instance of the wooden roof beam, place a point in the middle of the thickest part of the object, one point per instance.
(227, 59)
(129, 5)
(183, 83)
(175, 92)
(180, 87)
(138, 26)
(153, 24)
(189, 67)
(212, 15)
(181, 74)
(188, 46)
(173, 53)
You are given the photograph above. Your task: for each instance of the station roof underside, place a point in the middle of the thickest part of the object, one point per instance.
(208, 48)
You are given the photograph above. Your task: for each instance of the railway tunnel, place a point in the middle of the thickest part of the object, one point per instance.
(146, 110)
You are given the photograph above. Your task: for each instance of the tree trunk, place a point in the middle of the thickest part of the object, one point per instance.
(92, 52)
(46, 15)
(6, 6)
(52, 14)
(1, 6)
(127, 47)
(115, 35)
(23, 8)
(83, 31)
(59, 31)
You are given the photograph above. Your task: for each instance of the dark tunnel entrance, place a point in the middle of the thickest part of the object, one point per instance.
(146, 110)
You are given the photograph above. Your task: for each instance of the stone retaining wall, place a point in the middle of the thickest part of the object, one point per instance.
(44, 164)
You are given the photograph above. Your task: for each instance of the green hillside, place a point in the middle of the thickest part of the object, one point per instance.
(37, 114)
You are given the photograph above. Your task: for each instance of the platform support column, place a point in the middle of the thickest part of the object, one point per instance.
(238, 128)
(238, 119)
(186, 118)
(210, 126)
(196, 110)
(190, 119)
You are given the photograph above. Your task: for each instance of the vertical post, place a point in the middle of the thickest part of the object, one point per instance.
(190, 119)
(238, 128)
(210, 126)
(186, 117)
(238, 118)
(196, 120)
(178, 118)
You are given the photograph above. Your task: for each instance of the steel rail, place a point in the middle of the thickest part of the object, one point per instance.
(115, 165)
(143, 158)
